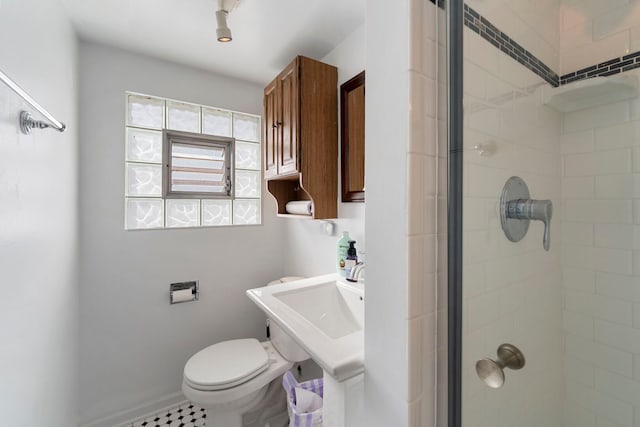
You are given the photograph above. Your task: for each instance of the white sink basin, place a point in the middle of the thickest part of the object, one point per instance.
(325, 315)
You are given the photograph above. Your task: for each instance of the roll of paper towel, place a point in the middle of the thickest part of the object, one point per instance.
(182, 295)
(301, 207)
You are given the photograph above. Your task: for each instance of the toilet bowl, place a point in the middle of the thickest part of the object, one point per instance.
(232, 378)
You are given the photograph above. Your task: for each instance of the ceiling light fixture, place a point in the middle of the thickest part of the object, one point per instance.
(223, 32)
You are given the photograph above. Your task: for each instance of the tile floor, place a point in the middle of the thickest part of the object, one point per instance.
(185, 415)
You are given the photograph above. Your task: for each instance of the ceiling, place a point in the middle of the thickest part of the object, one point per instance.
(267, 34)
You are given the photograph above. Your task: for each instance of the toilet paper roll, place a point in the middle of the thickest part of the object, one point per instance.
(300, 207)
(182, 296)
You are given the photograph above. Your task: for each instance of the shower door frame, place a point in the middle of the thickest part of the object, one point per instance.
(455, 117)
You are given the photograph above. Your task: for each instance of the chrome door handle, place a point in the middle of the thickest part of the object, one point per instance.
(492, 371)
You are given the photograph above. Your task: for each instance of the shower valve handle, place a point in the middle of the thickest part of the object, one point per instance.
(517, 209)
(539, 210)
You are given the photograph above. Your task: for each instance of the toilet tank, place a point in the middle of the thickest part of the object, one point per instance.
(285, 345)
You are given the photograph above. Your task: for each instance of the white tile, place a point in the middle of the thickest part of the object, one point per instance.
(578, 324)
(618, 136)
(416, 333)
(424, 104)
(636, 315)
(485, 181)
(474, 280)
(601, 403)
(576, 415)
(625, 287)
(577, 142)
(481, 310)
(417, 177)
(422, 131)
(579, 164)
(577, 36)
(615, 187)
(609, 47)
(604, 211)
(481, 52)
(577, 233)
(597, 117)
(579, 279)
(601, 355)
(612, 162)
(416, 276)
(601, 307)
(475, 217)
(579, 371)
(636, 367)
(475, 80)
(616, 236)
(578, 187)
(616, 20)
(621, 337)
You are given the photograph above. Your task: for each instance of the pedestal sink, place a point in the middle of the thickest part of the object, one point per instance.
(325, 315)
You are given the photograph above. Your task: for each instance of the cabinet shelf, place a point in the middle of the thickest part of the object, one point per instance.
(301, 137)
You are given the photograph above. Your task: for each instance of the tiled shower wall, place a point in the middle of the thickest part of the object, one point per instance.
(593, 31)
(601, 264)
(426, 94)
(588, 164)
(601, 225)
(512, 291)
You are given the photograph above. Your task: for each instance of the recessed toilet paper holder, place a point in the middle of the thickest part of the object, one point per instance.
(184, 292)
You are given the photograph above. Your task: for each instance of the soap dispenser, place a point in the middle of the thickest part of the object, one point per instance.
(343, 248)
(352, 258)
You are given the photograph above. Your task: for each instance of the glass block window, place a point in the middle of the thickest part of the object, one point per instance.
(173, 183)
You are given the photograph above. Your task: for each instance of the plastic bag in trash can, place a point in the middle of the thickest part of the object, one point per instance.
(304, 401)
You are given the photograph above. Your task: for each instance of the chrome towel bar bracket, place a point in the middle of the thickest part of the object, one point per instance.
(27, 123)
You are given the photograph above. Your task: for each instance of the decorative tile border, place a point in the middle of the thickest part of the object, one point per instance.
(485, 29)
(607, 68)
(482, 26)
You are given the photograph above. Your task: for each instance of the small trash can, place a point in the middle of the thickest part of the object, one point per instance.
(304, 401)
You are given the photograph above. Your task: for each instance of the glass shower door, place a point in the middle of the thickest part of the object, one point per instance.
(551, 214)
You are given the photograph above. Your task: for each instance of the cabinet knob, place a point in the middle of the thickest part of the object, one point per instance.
(279, 123)
(274, 126)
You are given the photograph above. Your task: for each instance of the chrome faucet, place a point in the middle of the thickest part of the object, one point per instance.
(356, 272)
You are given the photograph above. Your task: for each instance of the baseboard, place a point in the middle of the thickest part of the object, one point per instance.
(126, 417)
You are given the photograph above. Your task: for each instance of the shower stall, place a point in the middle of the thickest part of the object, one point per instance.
(544, 212)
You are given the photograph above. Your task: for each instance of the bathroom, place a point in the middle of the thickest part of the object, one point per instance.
(458, 100)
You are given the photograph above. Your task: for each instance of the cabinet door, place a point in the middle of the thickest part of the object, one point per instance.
(270, 129)
(288, 125)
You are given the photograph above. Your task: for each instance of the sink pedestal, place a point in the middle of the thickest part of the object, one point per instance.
(343, 403)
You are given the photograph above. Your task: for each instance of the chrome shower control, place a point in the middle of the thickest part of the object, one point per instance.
(517, 209)
(492, 371)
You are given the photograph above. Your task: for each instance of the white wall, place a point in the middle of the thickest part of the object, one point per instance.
(133, 343)
(387, 127)
(38, 235)
(309, 251)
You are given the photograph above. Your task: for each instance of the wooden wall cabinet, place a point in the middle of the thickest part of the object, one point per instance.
(301, 136)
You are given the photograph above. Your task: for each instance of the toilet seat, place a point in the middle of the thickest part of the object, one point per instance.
(226, 364)
(276, 367)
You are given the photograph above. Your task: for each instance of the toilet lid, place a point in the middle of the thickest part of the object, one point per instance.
(226, 364)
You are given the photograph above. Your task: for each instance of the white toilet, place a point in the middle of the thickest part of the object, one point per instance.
(238, 377)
